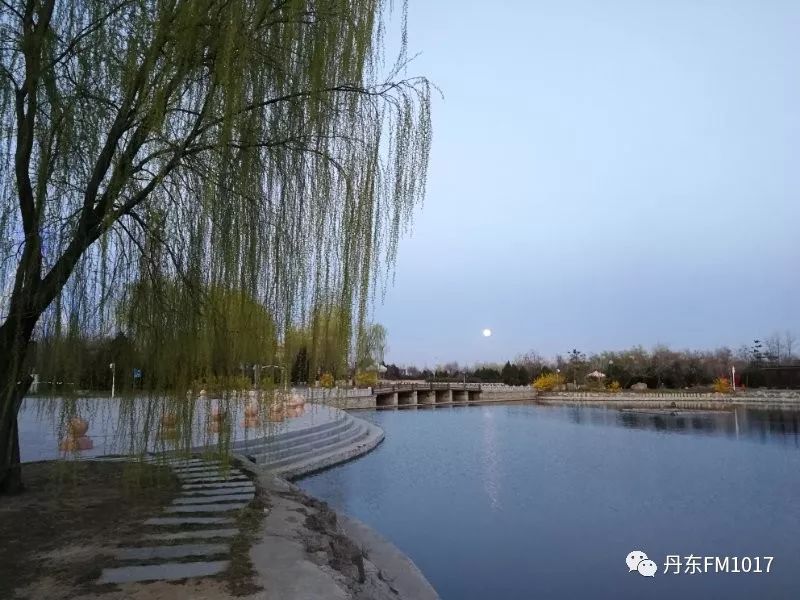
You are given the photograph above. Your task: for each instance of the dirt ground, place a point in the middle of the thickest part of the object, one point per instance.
(54, 536)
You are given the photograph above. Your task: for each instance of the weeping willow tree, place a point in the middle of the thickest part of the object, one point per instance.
(370, 347)
(258, 147)
(224, 332)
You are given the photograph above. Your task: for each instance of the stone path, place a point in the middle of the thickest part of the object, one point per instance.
(207, 506)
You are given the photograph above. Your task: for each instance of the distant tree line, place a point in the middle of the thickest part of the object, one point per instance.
(82, 362)
(144, 351)
(660, 367)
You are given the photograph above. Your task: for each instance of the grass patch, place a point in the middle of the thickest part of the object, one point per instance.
(241, 574)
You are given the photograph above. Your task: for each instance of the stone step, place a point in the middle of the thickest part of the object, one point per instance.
(271, 455)
(186, 462)
(320, 461)
(213, 479)
(191, 535)
(241, 446)
(200, 468)
(179, 461)
(218, 491)
(265, 445)
(204, 508)
(194, 500)
(207, 472)
(189, 521)
(217, 484)
(312, 446)
(176, 551)
(163, 571)
(113, 458)
(352, 438)
(357, 434)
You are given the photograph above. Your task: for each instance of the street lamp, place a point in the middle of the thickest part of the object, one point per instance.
(113, 367)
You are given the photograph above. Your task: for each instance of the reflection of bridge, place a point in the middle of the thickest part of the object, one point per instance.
(426, 394)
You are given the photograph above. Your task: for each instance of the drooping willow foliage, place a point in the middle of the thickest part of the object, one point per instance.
(167, 164)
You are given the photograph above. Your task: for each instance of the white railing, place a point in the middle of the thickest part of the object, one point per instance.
(321, 394)
(502, 387)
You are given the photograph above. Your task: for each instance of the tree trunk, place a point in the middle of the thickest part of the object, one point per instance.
(14, 384)
(10, 466)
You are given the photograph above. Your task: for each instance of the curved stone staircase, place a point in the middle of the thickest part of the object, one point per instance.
(292, 454)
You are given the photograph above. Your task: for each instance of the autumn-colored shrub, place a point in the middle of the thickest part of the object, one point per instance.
(614, 386)
(547, 382)
(366, 379)
(326, 380)
(722, 385)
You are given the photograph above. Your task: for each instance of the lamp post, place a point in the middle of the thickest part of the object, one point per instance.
(113, 367)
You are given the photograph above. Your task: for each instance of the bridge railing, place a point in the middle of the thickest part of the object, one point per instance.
(384, 389)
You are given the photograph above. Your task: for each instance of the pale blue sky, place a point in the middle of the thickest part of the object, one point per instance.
(604, 174)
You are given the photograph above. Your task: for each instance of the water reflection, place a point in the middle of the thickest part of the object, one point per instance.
(780, 426)
(135, 425)
(489, 460)
(527, 501)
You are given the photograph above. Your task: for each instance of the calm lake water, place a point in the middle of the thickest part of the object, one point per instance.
(524, 501)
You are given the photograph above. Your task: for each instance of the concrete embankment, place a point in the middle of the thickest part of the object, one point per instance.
(307, 550)
(679, 400)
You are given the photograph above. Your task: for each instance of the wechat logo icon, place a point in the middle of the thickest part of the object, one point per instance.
(638, 561)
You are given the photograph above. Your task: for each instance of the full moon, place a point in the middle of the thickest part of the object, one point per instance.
(487, 332)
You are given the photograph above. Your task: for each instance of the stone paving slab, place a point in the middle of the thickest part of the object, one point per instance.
(215, 479)
(207, 487)
(216, 484)
(163, 572)
(206, 472)
(190, 535)
(218, 491)
(184, 475)
(191, 461)
(195, 508)
(200, 467)
(214, 499)
(177, 551)
(189, 521)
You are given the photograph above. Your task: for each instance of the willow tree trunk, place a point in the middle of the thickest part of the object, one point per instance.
(11, 469)
(15, 337)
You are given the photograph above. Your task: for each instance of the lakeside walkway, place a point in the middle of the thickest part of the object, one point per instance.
(301, 551)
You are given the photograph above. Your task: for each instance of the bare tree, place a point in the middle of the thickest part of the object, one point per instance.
(788, 346)
(773, 348)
